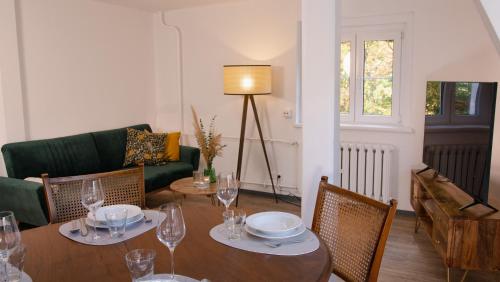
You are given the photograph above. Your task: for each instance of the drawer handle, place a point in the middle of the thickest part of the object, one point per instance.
(437, 241)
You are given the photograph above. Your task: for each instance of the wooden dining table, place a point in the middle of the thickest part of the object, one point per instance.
(53, 257)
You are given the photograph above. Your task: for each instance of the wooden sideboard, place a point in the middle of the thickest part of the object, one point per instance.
(466, 240)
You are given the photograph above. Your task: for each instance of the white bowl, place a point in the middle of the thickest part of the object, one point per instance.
(133, 213)
(274, 223)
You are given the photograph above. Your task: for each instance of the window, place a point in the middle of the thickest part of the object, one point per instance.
(377, 77)
(433, 102)
(458, 103)
(465, 98)
(369, 75)
(345, 74)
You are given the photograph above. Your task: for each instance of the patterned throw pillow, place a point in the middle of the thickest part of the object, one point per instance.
(144, 147)
(155, 143)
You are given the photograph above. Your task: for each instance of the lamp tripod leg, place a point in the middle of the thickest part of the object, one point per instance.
(242, 141)
(263, 145)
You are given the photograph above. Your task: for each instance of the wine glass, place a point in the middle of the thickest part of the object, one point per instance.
(227, 188)
(92, 199)
(171, 230)
(10, 238)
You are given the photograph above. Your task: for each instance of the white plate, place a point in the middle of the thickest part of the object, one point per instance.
(99, 224)
(301, 229)
(134, 215)
(133, 212)
(166, 278)
(274, 223)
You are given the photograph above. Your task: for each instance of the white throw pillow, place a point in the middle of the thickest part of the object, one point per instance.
(34, 179)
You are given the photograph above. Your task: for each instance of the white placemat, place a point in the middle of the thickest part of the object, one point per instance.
(255, 244)
(166, 278)
(24, 276)
(132, 230)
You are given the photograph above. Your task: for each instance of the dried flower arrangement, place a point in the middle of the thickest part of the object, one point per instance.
(208, 141)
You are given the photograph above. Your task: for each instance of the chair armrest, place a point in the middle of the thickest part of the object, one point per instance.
(190, 155)
(25, 198)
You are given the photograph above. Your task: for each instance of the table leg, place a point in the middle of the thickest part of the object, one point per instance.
(176, 199)
(417, 223)
(452, 274)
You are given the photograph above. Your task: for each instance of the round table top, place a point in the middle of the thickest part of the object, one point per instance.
(52, 257)
(185, 186)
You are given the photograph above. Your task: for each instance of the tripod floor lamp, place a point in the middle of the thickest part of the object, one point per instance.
(249, 80)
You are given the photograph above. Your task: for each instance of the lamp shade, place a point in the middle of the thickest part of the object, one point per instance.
(247, 79)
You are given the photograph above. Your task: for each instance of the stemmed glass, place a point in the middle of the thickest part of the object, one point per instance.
(171, 230)
(10, 238)
(227, 188)
(92, 199)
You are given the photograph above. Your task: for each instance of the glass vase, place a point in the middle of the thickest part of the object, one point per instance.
(210, 171)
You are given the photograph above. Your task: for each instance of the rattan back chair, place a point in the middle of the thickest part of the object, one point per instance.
(354, 228)
(63, 194)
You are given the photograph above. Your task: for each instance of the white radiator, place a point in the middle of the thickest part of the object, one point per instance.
(367, 169)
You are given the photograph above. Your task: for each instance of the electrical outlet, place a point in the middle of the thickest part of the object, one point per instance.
(278, 181)
(287, 113)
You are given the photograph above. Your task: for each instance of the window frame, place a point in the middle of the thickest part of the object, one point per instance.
(358, 35)
(448, 116)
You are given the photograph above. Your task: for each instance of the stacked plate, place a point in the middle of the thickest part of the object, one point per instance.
(274, 225)
(134, 214)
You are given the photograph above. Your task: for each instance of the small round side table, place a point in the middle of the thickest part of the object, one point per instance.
(185, 186)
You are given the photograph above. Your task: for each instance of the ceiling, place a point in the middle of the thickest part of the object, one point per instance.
(161, 5)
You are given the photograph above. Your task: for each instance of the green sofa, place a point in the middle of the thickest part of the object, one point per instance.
(75, 155)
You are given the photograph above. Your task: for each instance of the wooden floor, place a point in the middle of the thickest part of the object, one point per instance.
(408, 256)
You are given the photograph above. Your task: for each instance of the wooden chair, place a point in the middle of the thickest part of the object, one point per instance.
(62, 195)
(355, 229)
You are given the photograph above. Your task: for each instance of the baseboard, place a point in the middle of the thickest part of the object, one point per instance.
(405, 213)
(287, 198)
(297, 200)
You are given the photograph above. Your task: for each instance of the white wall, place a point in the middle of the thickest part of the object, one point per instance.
(320, 52)
(11, 84)
(450, 42)
(3, 135)
(12, 122)
(85, 66)
(491, 12)
(246, 32)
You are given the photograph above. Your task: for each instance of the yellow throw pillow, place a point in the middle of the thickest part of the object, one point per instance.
(172, 146)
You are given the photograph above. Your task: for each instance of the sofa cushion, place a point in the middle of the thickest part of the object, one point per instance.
(173, 147)
(25, 198)
(156, 144)
(145, 147)
(160, 176)
(111, 146)
(64, 156)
